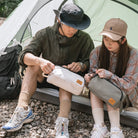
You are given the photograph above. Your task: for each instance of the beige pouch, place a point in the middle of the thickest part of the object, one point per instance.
(66, 80)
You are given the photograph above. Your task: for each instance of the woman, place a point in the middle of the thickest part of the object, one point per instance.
(118, 62)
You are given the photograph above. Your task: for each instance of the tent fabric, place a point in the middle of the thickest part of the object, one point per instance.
(14, 22)
(102, 10)
(33, 15)
(45, 16)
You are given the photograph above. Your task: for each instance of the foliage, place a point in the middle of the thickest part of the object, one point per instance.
(134, 1)
(7, 6)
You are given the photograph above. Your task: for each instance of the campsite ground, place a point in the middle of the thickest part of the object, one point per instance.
(45, 115)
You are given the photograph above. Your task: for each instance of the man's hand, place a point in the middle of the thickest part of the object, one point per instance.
(46, 66)
(74, 66)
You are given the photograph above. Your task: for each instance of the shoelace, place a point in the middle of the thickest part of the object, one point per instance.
(61, 128)
(93, 132)
(17, 117)
(114, 133)
(96, 130)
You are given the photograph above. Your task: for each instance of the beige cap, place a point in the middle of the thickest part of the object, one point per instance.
(114, 28)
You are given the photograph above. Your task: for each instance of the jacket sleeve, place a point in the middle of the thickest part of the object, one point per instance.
(35, 46)
(85, 52)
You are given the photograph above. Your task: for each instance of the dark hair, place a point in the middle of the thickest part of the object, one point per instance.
(122, 59)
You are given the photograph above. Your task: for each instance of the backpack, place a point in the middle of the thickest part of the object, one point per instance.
(10, 80)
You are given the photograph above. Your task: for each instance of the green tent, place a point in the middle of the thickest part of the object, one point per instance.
(102, 10)
(33, 15)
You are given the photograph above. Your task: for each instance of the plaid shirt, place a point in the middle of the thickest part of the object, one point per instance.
(128, 82)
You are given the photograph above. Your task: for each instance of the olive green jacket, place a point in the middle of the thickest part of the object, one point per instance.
(59, 49)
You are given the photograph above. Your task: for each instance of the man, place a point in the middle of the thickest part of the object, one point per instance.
(63, 44)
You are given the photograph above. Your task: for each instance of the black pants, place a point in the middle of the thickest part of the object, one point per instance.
(45, 84)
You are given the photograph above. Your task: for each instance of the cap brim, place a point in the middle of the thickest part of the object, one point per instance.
(79, 26)
(114, 37)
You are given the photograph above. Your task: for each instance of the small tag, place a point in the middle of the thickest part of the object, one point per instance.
(79, 82)
(111, 101)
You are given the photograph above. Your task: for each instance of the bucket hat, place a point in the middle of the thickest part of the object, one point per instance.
(115, 28)
(73, 16)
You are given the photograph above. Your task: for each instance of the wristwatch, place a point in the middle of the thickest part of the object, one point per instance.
(82, 66)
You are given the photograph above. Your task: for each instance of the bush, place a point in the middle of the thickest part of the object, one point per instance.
(7, 6)
(134, 1)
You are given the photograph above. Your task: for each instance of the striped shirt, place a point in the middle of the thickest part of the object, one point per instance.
(129, 81)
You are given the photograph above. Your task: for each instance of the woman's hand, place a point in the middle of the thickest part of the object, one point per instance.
(103, 73)
(88, 77)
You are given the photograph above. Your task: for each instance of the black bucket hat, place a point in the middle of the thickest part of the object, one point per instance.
(73, 16)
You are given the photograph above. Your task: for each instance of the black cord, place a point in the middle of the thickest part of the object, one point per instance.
(60, 25)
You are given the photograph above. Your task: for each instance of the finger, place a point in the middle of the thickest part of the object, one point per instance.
(64, 66)
(98, 71)
(87, 79)
(76, 68)
(51, 65)
(100, 74)
(48, 68)
(70, 65)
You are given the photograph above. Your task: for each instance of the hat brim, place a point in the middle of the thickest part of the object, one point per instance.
(113, 36)
(56, 12)
(79, 26)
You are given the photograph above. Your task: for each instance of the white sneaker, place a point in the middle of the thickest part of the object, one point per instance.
(116, 133)
(62, 127)
(19, 117)
(99, 132)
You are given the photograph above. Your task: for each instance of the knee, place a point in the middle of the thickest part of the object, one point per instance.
(34, 72)
(65, 96)
(33, 69)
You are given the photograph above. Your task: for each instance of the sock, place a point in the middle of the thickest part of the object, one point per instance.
(24, 99)
(65, 106)
(114, 116)
(98, 115)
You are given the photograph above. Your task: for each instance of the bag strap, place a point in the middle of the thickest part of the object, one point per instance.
(43, 74)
